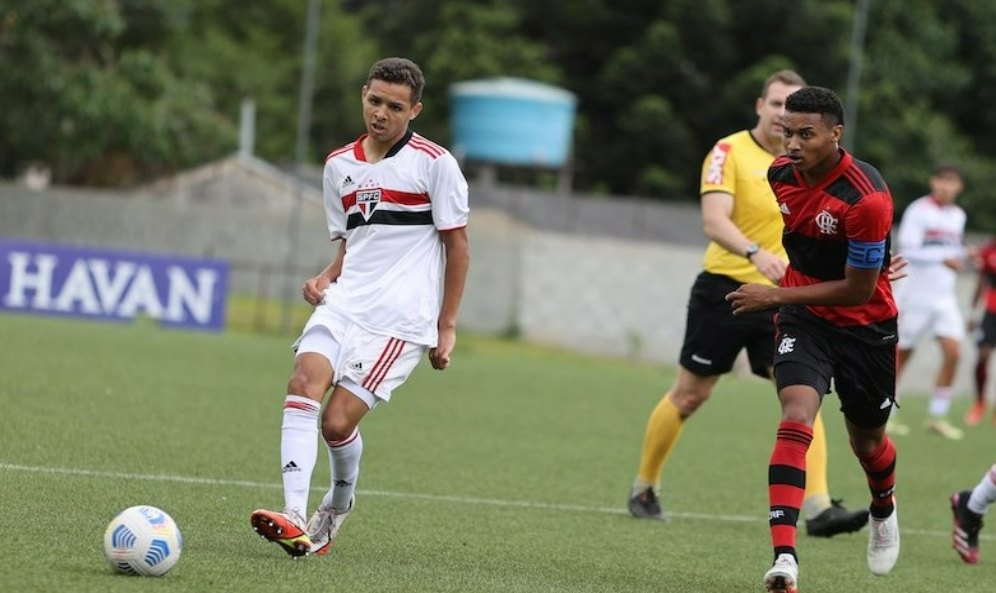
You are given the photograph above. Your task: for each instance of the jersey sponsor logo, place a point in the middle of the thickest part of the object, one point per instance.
(787, 345)
(367, 200)
(717, 160)
(826, 222)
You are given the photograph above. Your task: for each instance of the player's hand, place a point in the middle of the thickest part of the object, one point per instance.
(769, 264)
(313, 290)
(897, 267)
(440, 355)
(752, 297)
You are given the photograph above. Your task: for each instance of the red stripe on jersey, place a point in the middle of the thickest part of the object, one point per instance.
(339, 151)
(389, 196)
(422, 140)
(431, 150)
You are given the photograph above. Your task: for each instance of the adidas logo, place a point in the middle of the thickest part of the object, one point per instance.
(784, 208)
(342, 483)
(347, 181)
(290, 467)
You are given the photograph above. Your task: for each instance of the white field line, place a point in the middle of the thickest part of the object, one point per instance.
(497, 502)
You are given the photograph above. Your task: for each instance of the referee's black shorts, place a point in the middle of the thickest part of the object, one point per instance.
(714, 337)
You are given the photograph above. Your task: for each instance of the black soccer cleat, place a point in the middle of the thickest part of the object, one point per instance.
(646, 505)
(965, 534)
(836, 519)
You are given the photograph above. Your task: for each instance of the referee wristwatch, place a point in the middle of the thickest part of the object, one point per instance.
(751, 250)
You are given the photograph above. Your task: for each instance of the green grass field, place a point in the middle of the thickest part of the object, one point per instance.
(508, 472)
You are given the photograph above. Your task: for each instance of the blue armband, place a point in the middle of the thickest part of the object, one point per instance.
(867, 255)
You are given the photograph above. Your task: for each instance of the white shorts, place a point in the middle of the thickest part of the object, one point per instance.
(941, 318)
(368, 365)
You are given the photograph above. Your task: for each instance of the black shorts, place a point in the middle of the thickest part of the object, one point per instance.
(987, 331)
(714, 337)
(811, 352)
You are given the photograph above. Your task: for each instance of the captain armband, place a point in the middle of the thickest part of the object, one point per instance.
(866, 255)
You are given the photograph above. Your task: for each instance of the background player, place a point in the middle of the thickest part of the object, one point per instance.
(984, 293)
(930, 236)
(742, 220)
(397, 204)
(836, 322)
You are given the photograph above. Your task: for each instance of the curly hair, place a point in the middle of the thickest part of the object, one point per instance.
(399, 71)
(817, 99)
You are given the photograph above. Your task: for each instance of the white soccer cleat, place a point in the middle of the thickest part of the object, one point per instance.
(783, 576)
(944, 428)
(883, 543)
(324, 525)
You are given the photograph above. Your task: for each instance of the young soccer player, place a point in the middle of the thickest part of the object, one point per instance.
(397, 204)
(836, 322)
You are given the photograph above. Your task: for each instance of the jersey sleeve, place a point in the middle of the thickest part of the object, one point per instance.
(870, 219)
(335, 214)
(448, 193)
(719, 170)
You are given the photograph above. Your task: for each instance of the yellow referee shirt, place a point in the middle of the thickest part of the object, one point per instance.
(738, 165)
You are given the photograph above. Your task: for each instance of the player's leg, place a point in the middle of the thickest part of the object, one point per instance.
(865, 381)
(802, 376)
(949, 327)
(968, 507)
(312, 376)
(372, 367)
(825, 517)
(713, 338)
(986, 339)
(664, 427)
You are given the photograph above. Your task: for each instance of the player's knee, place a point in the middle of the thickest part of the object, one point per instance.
(307, 384)
(864, 445)
(336, 428)
(688, 400)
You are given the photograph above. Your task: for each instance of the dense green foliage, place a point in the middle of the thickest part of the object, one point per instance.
(507, 473)
(110, 92)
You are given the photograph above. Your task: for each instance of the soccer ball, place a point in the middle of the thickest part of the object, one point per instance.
(142, 540)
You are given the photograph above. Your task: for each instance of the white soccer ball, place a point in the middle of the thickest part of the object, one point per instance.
(142, 540)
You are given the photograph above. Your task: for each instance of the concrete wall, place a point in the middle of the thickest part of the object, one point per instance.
(597, 294)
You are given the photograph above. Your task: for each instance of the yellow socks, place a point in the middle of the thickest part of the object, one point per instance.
(663, 429)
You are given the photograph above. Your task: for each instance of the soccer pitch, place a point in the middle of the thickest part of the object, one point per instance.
(508, 472)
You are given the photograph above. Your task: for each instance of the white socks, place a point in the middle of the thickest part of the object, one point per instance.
(344, 461)
(298, 450)
(940, 401)
(984, 494)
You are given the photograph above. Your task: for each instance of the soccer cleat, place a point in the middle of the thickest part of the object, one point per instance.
(783, 576)
(965, 535)
(285, 529)
(836, 519)
(895, 427)
(883, 543)
(944, 428)
(644, 504)
(324, 527)
(974, 414)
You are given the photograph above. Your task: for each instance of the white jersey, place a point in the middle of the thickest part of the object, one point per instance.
(390, 214)
(930, 233)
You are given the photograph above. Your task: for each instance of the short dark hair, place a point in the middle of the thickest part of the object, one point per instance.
(945, 169)
(817, 99)
(786, 77)
(399, 71)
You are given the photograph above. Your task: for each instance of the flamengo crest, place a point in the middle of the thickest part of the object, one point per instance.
(366, 201)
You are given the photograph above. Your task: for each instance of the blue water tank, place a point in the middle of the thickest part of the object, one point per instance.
(512, 121)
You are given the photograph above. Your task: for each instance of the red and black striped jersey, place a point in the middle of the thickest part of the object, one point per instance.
(851, 204)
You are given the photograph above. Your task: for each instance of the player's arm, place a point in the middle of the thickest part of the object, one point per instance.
(856, 288)
(457, 247)
(313, 290)
(718, 226)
